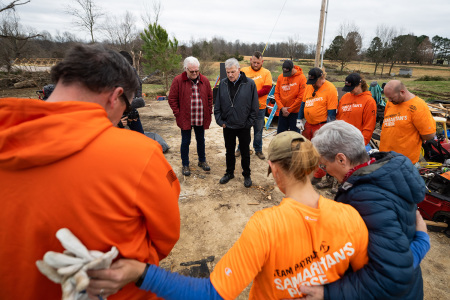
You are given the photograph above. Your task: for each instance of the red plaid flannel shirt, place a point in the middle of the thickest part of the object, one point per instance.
(196, 106)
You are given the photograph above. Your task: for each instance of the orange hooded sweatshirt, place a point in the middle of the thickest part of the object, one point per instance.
(289, 90)
(64, 165)
(360, 111)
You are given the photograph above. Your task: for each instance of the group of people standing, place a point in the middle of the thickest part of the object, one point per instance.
(71, 158)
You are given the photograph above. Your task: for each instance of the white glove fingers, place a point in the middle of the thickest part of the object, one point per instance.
(48, 271)
(58, 260)
(104, 261)
(80, 280)
(69, 270)
(68, 290)
(72, 243)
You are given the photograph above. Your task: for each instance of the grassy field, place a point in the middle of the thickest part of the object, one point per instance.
(428, 90)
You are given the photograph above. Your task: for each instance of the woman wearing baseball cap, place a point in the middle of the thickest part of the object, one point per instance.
(305, 240)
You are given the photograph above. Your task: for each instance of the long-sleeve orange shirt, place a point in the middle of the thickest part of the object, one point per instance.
(64, 165)
(289, 90)
(360, 111)
(317, 106)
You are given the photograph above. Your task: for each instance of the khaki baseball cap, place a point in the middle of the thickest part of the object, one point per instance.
(281, 146)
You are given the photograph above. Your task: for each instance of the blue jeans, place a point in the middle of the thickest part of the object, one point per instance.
(186, 141)
(287, 123)
(257, 131)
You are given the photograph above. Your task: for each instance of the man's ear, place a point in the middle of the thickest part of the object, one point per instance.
(113, 99)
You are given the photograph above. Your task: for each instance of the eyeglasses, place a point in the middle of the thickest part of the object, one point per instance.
(323, 167)
(193, 71)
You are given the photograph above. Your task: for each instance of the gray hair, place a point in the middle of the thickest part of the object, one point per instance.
(232, 62)
(190, 60)
(340, 137)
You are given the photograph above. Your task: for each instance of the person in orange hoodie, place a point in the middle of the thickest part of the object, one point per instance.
(289, 93)
(318, 108)
(64, 164)
(358, 106)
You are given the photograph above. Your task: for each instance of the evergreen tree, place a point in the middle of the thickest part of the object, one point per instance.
(160, 51)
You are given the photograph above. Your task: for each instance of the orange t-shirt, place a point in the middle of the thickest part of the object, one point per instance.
(360, 111)
(403, 126)
(261, 78)
(292, 244)
(289, 91)
(317, 107)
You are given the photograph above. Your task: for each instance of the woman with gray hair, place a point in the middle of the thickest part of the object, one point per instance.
(384, 188)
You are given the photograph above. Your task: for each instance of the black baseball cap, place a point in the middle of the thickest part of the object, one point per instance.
(351, 81)
(313, 75)
(288, 65)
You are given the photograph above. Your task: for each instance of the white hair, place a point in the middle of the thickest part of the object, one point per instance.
(190, 60)
(340, 137)
(232, 62)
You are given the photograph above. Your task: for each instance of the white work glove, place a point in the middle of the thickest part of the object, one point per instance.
(300, 125)
(69, 268)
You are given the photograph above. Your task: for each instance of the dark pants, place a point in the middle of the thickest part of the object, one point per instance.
(136, 125)
(244, 137)
(287, 123)
(257, 131)
(186, 141)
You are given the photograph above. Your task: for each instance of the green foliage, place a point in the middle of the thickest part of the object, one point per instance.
(431, 78)
(160, 51)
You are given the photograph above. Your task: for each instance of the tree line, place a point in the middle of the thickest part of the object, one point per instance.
(155, 50)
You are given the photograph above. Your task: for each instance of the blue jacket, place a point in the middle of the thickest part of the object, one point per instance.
(385, 194)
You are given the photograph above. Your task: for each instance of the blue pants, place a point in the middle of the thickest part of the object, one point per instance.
(287, 123)
(136, 125)
(186, 141)
(257, 131)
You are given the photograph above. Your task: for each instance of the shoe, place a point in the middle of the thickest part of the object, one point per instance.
(247, 182)
(186, 171)
(227, 177)
(315, 180)
(204, 165)
(237, 153)
(335, 187)
(260, 155)
(326, 183)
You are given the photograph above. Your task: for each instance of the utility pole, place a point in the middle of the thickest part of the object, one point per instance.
(320, 34)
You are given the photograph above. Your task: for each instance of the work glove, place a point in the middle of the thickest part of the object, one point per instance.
(300, 125)
(69, 268)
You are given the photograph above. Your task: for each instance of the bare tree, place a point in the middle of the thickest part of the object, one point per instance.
(13, 39)
(151, 14)
(121, 31)
(86, 15)
(12, 5)
(292, 47)
(386, 35)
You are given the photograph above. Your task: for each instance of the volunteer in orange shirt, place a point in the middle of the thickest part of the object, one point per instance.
(407, 122)
(306, 240)
(289, 93)
(358, 106)
(318, 107)
(63, 164)
(263, 80)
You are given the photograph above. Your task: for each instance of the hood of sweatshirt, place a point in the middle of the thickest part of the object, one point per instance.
(36, 133)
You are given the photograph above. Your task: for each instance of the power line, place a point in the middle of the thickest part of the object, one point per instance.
(274, 27)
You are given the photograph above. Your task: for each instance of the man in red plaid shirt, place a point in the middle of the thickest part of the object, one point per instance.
(190, 98)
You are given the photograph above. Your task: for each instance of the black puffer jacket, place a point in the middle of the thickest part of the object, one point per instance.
(385, 194)
(243, 111)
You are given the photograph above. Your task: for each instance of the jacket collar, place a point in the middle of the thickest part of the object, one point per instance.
(243, 78)
(185, 78)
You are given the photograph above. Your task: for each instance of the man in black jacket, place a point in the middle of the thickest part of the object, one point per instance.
(236, 110)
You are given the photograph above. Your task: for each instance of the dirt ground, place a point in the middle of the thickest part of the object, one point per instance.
(213, 215)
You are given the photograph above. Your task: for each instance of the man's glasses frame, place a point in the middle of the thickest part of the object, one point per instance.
(193, 71)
